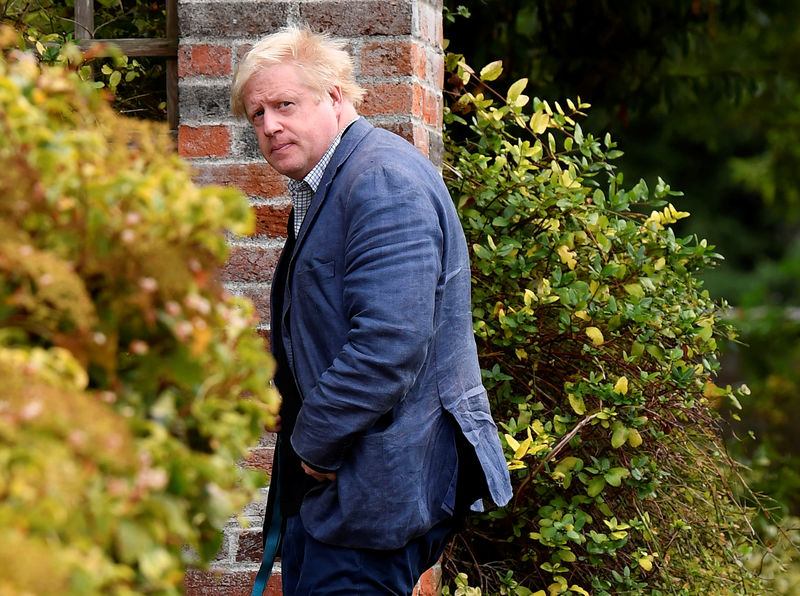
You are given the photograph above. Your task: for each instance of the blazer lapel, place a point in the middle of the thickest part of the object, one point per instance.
(350, 140)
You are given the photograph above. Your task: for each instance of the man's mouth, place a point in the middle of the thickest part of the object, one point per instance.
(278, 147)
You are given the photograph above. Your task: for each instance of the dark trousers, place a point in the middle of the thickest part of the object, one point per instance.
(311, 568)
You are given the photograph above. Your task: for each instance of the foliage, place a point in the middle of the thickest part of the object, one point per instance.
(48, 28)
(132, 383)
(705, 92)
(599, 345)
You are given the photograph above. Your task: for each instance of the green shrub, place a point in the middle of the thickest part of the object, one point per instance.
(132, 384)
(599, 346)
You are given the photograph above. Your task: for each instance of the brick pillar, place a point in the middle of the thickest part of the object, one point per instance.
(397, 48)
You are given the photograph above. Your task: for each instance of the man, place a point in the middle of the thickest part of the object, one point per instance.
(386, 438)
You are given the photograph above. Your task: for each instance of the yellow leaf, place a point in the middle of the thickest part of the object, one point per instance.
(634, 438)
(579, 590)
(567, 180)
(621, 388)
(711, 390)
(201, 339)
(567, 256)
(646, 563)
(512, 442)
(595, 335)
(522, 450)
(515, 90)
(539, 122)
(528, 297)
(492, 70)
(576, 401)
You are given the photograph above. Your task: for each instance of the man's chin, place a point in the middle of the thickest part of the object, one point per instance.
(282, 167)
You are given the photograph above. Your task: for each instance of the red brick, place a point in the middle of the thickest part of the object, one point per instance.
(432, 108)
(419, 62)
(389, 58)
(260, 300)
(204, 141)
(257, 179)
(404, 128)
(430, 584)
(210, 60)
(226, 583)
(421, 139)
(419, 94)
(271, 220)
(260, 458)
(250, 264)
(390, 98)
(251, 546)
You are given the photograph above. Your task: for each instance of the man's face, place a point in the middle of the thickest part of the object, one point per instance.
(294, 128)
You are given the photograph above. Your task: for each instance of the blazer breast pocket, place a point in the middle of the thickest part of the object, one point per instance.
(316, 271)
(317, 297)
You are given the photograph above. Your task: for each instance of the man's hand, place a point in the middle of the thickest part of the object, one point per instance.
(275, 426)
(319, 476)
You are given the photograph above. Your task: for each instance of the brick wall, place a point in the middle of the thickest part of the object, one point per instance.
(396, 45)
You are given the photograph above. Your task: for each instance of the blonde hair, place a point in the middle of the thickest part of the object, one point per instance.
(323, 63)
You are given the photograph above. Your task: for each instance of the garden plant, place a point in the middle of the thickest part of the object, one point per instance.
(132, 384)
(599, 346)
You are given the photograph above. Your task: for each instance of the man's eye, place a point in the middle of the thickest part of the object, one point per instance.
(286, 104)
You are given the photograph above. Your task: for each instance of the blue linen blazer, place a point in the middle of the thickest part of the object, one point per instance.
(376, 324)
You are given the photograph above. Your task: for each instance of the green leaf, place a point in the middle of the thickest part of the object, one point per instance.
(595, 486)
(635, 290)
(114, 79)
(615, 476)
(619, 435)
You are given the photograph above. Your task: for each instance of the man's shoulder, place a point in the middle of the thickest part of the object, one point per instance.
(379, 146)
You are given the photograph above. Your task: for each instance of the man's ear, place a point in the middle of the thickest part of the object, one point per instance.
(336, 96)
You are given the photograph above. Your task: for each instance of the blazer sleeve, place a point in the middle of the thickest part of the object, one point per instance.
(392, 264)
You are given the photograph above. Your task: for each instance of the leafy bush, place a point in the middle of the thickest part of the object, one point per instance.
(48, 28)
(132, 383)
(600, 352)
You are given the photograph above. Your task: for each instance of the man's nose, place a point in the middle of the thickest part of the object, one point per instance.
(270, 124)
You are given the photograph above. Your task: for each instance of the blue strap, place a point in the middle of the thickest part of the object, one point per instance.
(273, 528)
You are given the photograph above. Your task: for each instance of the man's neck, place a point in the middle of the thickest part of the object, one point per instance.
(347, 115)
